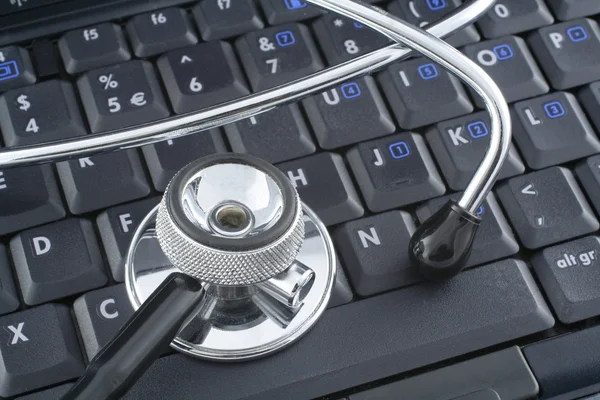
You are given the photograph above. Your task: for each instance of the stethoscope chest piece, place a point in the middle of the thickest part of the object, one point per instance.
(236, 224)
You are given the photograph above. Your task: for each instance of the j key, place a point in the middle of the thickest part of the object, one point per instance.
(588, 172)
(348, 114)
(57, 260)
(325, 185)
(546, 207)
(117, 226)
(509, 62)
(282, 11)
(193, 83)
(552, 130)
(36, 184)
(9, 301)
(460, 144)
(374, 251)
(494, 240)
(40, 113)
(93, 47)
(160, 31)
(570, 275)
(166, 158)
(424, 12)
(38, 348)
(514, 16)
(122, 95)
(51, 394)
(93, 183)
(395, 171)
(219, 19)
(16, 69)
(100, 314)
(276, 136)
(422, 93)
(277, 55)
(569, 53)
(589, 96)
(570, 9)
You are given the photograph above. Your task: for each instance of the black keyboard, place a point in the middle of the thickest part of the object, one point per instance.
(374, 157)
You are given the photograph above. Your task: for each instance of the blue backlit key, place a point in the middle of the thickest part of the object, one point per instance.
(282, 11)
(16, 69)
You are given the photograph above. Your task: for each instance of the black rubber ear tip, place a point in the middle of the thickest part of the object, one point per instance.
(441, 245)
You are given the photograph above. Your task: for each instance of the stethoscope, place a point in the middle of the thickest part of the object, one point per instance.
(232, 265)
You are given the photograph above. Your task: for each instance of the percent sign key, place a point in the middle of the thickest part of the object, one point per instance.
(108, 81)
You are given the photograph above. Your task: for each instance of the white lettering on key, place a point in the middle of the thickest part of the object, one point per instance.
(85, 162)
(487, 58)
(372, 237)
(378, 158)
(125, 222)
(529, 190)
(18, 333)
(557, 39)
(41, 245)
(104, 313)
(567, 260)
(531, 117)
(455, 136)
(2, 181)
(334, 99)
(298, 178)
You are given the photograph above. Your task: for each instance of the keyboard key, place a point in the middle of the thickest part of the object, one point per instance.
(422, 93)
(278, 55)
(371, 339)
(460, 144)
(102, 181)
(589, 96)
(282, 11)
(219, 19)
(374, 251)
(570, 276)
(277, 135)
(552, 130)
(395, 171)
(93, 47)
(100, 314)
(16, 69)
(116, 227)
(569, 53)
(38, 348)
(570, 9)
(547, 207)
(588, 172)
(57, 260)
(38, 186)
(122, 95)
(9, 301)
(514, 16)
(324, 183)
(194, 84)
(341, 293)
(46, 59)
(55, 393)
(348, 114)
(40, 113)
(160, 31)
(13, 7)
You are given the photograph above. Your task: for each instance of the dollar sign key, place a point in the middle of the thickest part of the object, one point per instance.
(24, 104)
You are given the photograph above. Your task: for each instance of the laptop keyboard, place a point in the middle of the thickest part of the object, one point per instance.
(373, 157)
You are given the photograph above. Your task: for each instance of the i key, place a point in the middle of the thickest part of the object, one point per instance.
(348, 114)
(16, 69)
(9, 301)
(569, 53)
(421, 93)
(220, 19)
(547, 207)
(552, 130)
(514, 16)
(395, 171)
(278, 55)
(282, 11)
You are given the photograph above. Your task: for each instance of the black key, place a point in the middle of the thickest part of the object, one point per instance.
(324, 183)
(219, 19)
(374, 251)
(9, 301)
(395, 171)
(553, 129)
(509, 62)
(570, 275)
(100, 314)
(160, 31)
(514, 16)
(277, 135)
(57, 260)
(371, 339)
(38, 348)
(40, 113)
(460, 144)
(547, 207)
(589, 96)
(277, 55)
(494, 240)
(14, 6)
(193, 83)
(348, 114)
(38, 186)
(45, 58)
(55, 393)
(97, 182)
(570, 9)
(282, 11)
(117, 226)
(588, 172)
(423, 12)
(93, 47)
(166, 158)
(341, 293)
(421, 93)
(569, 53)
(122, 95)
(16, 69)
(566, 366)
